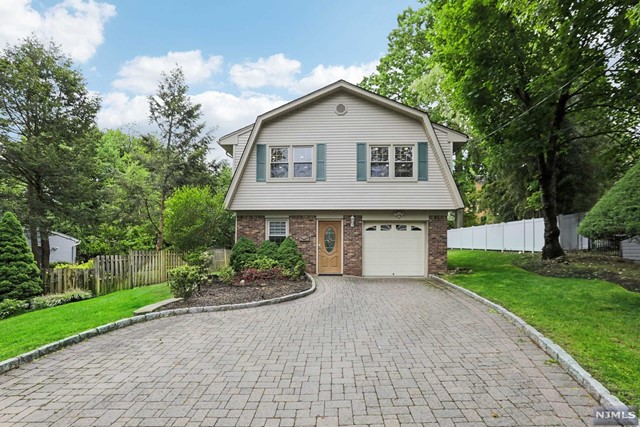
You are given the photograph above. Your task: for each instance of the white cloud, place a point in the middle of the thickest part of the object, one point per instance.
(142, 73)
(76, 25)
(226, 111)
(280, 71)
(323, 75)
(276, 70)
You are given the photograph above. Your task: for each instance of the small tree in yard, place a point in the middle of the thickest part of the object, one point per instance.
(19, 273)
(243, 252)
(617, 213)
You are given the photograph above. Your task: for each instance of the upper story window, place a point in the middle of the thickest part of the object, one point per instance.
(391, 161)
(291, 162)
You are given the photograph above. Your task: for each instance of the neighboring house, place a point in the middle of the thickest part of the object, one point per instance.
(362, 183)
(631, 248)
(63, 248)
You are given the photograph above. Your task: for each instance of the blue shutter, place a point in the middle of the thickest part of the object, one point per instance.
(261, 165)
(422, 161)
(362, 161)
(321, 162)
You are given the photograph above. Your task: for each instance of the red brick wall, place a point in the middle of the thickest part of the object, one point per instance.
(352, 246)
(302, 228)
(437, 258)
(252, 227)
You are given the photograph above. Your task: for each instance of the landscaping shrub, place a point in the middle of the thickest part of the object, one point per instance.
(63, 265)
(268, 249)
(263, 263)
(53, 300)
(12, 307)
(185, 280)
(199, 258)
(226, 274)
(19, 273)
(290, 259)
(243, 252)
(253, 275)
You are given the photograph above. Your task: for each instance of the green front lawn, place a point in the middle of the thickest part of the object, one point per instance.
(34, 329)
(597, 322)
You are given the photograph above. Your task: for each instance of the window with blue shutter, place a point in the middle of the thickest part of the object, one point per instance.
(321, 162)
(261, 165)
(422, 161)
(362, 161)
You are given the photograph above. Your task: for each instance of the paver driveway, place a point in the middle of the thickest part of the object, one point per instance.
(358, 351)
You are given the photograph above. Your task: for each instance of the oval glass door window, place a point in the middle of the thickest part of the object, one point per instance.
(329, 239)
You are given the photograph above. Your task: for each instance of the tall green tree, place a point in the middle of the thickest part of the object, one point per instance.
(178, 155)
(47, 137)
(19, 273)
(533, 78)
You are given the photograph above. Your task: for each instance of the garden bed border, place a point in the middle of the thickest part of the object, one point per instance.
(17, 361)
(568, 363)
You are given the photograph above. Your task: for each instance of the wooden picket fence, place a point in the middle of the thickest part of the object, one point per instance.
(219, 258)
(112, 273)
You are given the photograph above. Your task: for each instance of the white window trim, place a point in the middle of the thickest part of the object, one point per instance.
(392, 163)
(280, 219)
(290, 177)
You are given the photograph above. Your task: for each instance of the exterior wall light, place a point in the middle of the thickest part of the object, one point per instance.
(353, 221)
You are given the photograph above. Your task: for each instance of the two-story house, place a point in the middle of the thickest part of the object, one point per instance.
(362, 183)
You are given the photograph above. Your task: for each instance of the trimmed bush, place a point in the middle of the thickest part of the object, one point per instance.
(617, 213)
(226, 275)
(53, 300)
(19, 273)
(290, 259)
(268, 249)
(199, 258)
(243, 252)
(12, 307)
(185, 280)
(263, 263)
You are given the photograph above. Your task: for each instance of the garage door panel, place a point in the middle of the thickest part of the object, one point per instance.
(394, 249)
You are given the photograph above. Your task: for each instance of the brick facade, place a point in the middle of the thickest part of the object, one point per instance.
(437, 257)
(352, 238)
(252, 227)
(302, 228)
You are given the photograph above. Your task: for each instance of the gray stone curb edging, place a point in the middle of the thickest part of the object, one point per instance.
(9, 364)
(568, 363)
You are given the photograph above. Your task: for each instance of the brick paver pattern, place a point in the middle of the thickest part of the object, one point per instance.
(356, 352)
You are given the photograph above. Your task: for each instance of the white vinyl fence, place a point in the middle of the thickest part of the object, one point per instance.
(526, 235)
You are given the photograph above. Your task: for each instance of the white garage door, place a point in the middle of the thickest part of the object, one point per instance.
(394, 249)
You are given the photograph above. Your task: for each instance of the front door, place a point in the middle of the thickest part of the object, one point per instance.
(329, 247)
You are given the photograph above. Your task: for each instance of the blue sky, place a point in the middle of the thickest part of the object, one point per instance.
(241, 58)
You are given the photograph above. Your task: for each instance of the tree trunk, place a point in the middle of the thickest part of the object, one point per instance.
(46, 248)
(160, 240)
(548, 180)
(33, 239)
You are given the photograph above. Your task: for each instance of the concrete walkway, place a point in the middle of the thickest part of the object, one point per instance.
(357, 352)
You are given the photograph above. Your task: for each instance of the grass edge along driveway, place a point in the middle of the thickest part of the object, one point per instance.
(597, 322)
(34, 329)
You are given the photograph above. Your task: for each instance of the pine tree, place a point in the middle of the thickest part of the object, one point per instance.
(19, 273)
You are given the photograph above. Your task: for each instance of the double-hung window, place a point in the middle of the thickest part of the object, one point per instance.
(277, 230)
(391, 161)
(291, 162)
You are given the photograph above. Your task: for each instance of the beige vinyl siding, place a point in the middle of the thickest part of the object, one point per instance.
(365, 122)
(447, 147)
(239, 147)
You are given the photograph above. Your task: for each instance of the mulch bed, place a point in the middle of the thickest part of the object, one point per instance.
(215, 292)
(586, 265)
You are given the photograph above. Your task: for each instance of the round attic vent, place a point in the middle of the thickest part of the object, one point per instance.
(341, 109)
